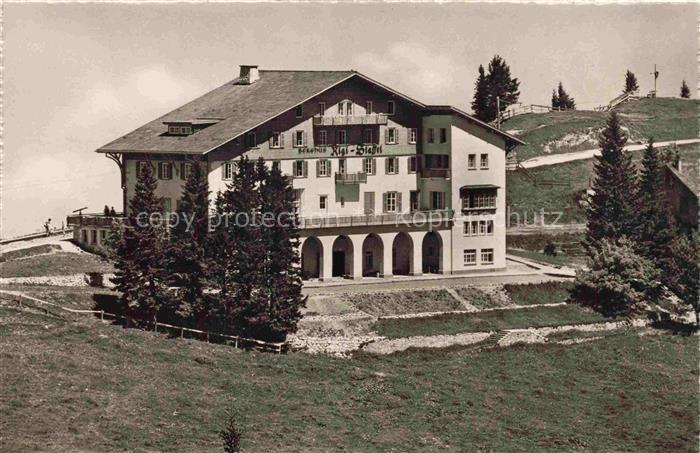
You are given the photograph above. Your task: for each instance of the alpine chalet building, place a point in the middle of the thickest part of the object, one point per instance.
(385, 185)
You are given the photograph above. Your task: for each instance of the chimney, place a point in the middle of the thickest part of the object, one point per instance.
(249, 74)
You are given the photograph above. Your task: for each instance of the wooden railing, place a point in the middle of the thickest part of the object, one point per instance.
(435, 173)
(416, 218)
(340, 120)
(350, 178)
(624, 97)
(236, 341)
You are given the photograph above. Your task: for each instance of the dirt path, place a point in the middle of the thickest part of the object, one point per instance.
(553, 159)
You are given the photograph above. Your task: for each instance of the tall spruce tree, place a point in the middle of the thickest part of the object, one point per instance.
(555, 100)
(630, 82)
(279, 301)
(685, 91)
(500, 85)
(683, 277)
(237, 246)
(655, 229)
(187, 258)
(481, 96)
(565, 102)
(138, 254)
(611, 210)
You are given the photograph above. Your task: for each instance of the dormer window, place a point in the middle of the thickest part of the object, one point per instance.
(299, 111)
(179, 130)
(345, 108)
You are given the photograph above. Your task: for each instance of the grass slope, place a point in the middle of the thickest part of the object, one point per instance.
(55, 264)
(561, 132)
(449, 324)
(86, 386)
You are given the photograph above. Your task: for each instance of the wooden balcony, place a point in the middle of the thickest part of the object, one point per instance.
(350, 178)
(416, 218)
(435, 173)
(350, 120)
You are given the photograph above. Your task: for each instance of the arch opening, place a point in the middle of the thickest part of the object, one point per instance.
(372, 256)
(402, 254)
(311, 258)
(432, 252)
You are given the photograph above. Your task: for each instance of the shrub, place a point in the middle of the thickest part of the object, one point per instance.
(550, 249)
(231, 436)
(618, 282)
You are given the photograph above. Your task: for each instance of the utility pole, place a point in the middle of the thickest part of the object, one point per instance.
(656, 76)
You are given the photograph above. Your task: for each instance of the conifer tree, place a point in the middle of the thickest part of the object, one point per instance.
(611, 209)
(279, 301)
(685, 91)
(630, 82)
(555, 100)
(565, 102)
(500, 85)
(655, 228)
(138, 253)
(187, 257)
(481, 96)
(683, 276)
(237, 247)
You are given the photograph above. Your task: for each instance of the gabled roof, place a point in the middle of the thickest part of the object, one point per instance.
(240, 108)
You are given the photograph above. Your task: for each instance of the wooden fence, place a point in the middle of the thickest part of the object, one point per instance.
(238, 342)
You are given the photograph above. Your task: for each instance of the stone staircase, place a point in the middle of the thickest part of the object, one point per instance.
(492, 341)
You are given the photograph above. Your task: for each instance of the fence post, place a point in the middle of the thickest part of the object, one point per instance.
(102, 315)
(207, 336)
(182, 332)
(235, 344)
(155, 324)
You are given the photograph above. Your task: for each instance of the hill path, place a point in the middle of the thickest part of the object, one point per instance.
(553, 159)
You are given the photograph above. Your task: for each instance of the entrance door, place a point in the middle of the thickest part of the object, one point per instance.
(338, 263)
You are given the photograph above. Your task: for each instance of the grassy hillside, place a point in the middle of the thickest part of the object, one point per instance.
(86, 386)
(524, 197)
(560, 132)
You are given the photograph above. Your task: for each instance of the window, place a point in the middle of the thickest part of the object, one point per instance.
(367, 136)
(471, 162)
(179, 130)
(440, 161)
(489, 227)
(348, 108)
(103, 234)
(412, 164)
(437, 200)
(479, 200)
(321, 108)
(391, 108)
(443, 135)
(486, 256)
(276, 165)
(185, 130)
(299, 169)
(342, 202)
(298, 195)
(341, 108)
(165, 170)
(368, 165)
(299, 139)
(323, 202)
(342, 166)
(94, 236)
(275, 140)
(186, 170)
(166, 204)
(484, 163)
(392, 136)
(140, 168)
(470, 257)
(323, 168)
(412, 135)
(482, 227)
(368, 107)
(391, 202)
(342, 137)
(392, 165)
(414, 200)
(227, 170)
(431, 135)
(323, 137)
(250, 140)
(299, 111)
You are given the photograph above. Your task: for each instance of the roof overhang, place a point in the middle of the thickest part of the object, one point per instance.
(511, 140)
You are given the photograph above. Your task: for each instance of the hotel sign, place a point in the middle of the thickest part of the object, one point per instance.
(342, 150)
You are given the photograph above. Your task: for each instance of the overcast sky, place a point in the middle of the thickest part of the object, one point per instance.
(79, 75)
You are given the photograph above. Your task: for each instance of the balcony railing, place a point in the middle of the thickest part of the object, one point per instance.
(435, 173)
(350, 178)
(416, 218)
(93, 220)
(347, 120)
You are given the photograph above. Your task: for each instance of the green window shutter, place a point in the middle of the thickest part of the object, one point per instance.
(318, 167)
(385, 207)
(305, 164)
(386, 165)
(396, 167)
(281, 140)
(182, 170)
(160, 170)
(398, 201)
(386, 135)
